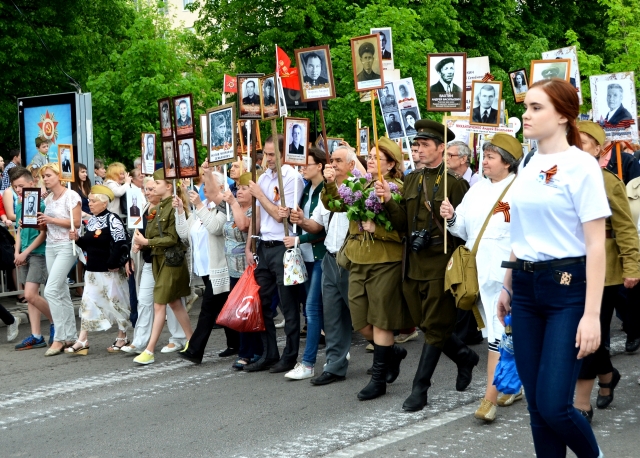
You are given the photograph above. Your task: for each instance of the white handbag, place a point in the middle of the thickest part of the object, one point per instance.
(295, 271)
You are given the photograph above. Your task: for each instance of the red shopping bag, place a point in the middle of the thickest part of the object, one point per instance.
(243, 311)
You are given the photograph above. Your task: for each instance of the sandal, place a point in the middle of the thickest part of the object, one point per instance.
(118, 348)
(72, 350)
(240, 363)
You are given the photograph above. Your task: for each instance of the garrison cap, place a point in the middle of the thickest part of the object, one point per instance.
(158, 174)
(432, 129)
(508, 143)
(392, 149)
(102, 189)
(245, 178)
(443, 62)
(593, 129)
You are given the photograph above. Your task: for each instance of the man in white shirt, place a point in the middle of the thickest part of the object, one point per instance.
(270, 271)
(458, 157)
(335, 280)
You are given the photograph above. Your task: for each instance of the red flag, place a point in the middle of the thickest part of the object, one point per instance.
(230, 84)
(288, 75)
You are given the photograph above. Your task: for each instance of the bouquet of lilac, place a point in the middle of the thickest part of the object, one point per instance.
(362, 204)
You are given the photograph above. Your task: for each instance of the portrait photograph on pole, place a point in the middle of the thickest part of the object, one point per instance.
(570, 52)
(386, 46)
(169, 159)
(249, 106)
(268, 97)
(446, 80)
(392, 124)
(30, 207)
(183, 111)
(315, 73)
(148, 153)
(204, 132)
(363, 141)
(485, 103)
(65, 161)
(164, 112)
(547, 69)
(221, 142)
(366, 61)
(243, 145)
(186, 157)
(519, 84)
(613, 98)
(296, 140)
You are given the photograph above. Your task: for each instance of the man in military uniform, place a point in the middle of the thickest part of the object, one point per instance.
(367, 53)
(252, 98)
(431, 308)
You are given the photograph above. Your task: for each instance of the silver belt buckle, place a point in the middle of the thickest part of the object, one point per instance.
(527, 266)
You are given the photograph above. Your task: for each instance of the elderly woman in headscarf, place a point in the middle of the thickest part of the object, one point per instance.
(105, 301)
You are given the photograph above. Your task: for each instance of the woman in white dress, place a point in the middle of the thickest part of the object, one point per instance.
(500, 162)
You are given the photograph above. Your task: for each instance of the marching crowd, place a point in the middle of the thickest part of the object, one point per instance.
(541, 229)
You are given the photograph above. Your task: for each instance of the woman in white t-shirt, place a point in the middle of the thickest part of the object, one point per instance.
(554, 280)
(59, 255)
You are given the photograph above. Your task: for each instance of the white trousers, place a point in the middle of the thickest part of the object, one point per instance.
(60, 260)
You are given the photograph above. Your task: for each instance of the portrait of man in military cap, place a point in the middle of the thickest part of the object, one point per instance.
(552, 68)
(446, 80)
(268, 97)
(367, 64)
(169, 160)
(164, 111)
(392, 124)
(221, 138)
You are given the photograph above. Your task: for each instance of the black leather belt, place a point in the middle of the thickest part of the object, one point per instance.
(529, 266)
(333, 255)
(271, 243)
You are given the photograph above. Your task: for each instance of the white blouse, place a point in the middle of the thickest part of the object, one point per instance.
(60, 208)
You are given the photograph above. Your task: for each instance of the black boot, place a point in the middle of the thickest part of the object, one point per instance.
(378, 385)
(393, 365)
(422, 381)
(464, 357)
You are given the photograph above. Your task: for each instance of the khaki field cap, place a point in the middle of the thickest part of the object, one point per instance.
(432, 129)
(158, 174)
(392, 149)
(102, 189)
(593, 129)
(508, 143)
(245, 178)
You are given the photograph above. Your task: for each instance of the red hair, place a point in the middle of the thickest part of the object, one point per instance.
(564, 99)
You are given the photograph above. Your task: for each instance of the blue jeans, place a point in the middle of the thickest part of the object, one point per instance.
(545, 321)
(314, 311)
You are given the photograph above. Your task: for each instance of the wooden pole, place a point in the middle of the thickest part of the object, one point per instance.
(255, 180)
(619, 160)
(276, 147)
(324, 130)
(375, 132)
(444, 158)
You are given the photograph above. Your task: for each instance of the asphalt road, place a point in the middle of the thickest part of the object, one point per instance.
(104, 405)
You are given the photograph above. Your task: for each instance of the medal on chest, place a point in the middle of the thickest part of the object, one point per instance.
(97, 233)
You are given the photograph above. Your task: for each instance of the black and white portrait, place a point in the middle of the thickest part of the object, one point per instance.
(30, 207)
(269, 97)
(367, 65)
(547, 69)
(386, 46)
(169, 159)
(187, 158)
(613, 97)
(405, 93)
(148, 153)
(282, 102)
(446, 82)
(316, 73)
(387, 98)
(393, 125)
(296, 140)
(363, 141)
(519, 84)
(409, 118)
(333, 144)
(65, 159)
(485, 103)
(164, 111)
(221, 124)
(135, 204)
(183, 114)
(570, 52)
(249, 97)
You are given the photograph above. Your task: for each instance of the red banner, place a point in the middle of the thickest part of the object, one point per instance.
(288, 75)
(230, 84)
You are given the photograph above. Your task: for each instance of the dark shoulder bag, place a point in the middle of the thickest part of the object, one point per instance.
(173, 256)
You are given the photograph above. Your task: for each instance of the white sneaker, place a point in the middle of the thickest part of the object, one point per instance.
(300, 372)
(12, 329)
(280, 325)
(170, 348)
(131, 349)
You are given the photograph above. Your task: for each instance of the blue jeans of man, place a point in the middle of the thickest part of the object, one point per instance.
(314, 311)
(545, 316)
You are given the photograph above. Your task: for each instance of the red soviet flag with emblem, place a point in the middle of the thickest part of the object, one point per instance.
(230, 84)
(288, 75)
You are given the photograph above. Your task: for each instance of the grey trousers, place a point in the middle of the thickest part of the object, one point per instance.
(337, 317)
(60, 260)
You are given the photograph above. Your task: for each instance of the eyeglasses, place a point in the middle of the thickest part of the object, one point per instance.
(449, 155)
(373, 158)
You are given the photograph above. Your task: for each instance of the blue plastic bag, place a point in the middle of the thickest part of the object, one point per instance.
(506, 378)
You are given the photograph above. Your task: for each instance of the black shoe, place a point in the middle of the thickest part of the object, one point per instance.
(422, 380)
(602, 402)
(370, 370)
(303, 331)
(326, 378)
(217, 326)
(323, 341)
(464, 357)
(377, 386)
(632, 345)
(228, 352)
(393, 364)
(282, 366)
(189, 357)
(588, 414)
(261, 365)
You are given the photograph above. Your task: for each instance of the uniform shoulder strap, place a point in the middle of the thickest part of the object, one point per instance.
(486, 221)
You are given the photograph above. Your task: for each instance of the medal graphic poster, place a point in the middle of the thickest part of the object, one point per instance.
(52, 123)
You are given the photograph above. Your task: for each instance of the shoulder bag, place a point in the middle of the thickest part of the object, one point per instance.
(173, 256)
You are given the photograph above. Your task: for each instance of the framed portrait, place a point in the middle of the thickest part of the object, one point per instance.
(547, 69)
(331, 141)
(169, 159)
(614, 102)
(204, 131)
(367, 64)
(363, 141)
(186, 157)
(570, 52)
(477, 68)
(222, 141)
(296, 140)
(65, 161)
(135, 207)
(148, 152)
(30, 207)
(249, 95)
(387, 98)
(485, 103)
(183, 112)
(282, 102)
(243, 147)
(315, 73)
(446, 82)
(519, 84)
(386, 46)
(269, 99)
(164, 113)
(405, 93)
(393, 125)
(409, 117)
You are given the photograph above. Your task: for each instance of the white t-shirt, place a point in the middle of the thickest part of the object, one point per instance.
(548, 209)
(60, 208)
